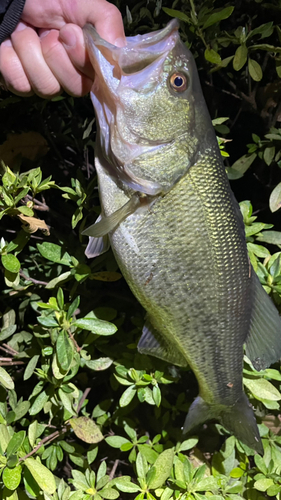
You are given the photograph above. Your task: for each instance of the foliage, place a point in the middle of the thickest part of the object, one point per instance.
(82, 414)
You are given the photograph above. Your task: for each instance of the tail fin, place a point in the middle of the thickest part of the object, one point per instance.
(238, 419)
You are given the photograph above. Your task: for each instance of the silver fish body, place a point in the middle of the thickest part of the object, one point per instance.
(174, 225)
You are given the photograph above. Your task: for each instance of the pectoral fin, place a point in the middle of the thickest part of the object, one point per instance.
(149, 344)
(263, 344)
(109, 223)
(144, 186)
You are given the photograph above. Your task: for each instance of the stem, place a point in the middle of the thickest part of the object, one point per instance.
(36, 282)
(78, 349)
(85, 394)
(47, 439)
(113, 470)
(10, 363)
(10, 350)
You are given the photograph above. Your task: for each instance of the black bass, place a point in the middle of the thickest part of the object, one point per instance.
(174, 225)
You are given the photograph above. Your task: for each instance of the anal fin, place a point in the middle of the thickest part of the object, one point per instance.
(149, 344)
(263, 344)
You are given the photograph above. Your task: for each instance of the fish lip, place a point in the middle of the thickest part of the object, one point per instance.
(140, 48)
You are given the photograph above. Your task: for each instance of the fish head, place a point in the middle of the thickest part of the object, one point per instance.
(148, 101)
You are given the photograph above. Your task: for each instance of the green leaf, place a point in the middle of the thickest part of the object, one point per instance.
(156, 394)
(163, 466)
(97, 326)
(273, 490)
(259, 461)
(30, 367)
(254, 70)
(73, 306)
(269, 154)
(124, 484)
(60, 298)
(150, 454)
(7, 332)
(60, 279)
(116, 441)
(212, 56)
(32, 432)
(42, 475)
(4, 437)
(240, 57)
(178, 14)
(109, 494)
(238, 169)
(258, 250)
(12, 477)
(21, 409)
(218, 16)
(86, 429)
(263, 484)
(54, 253)
(271, 237)
(39, 403)
(188, 444)
(262, 389)
(48, 321)
(99, 364)
(66, 400)
(11, 263)
(127, 396)
(15, 443)
(5, 379)
(64, 350)
(141, 466)
(26, 211)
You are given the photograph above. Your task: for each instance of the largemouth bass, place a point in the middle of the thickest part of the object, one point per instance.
(174, 225)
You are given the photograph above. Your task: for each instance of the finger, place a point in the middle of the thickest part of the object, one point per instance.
(103, 15)
(27, 45)
(72, 38)
(12, 71)
(108, 22)
(74, 81)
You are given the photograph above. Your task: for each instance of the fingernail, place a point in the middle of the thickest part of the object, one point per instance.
(67, 38)
(120, 42)
(44, 33)
(7, 43)
(21, 26)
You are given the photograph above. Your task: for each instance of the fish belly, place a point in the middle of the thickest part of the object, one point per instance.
(186, 261)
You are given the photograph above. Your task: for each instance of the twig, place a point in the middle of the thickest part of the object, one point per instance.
(47, 439)
(223, 91)
(84, 395)
(113, 470)
(36, 282)
(5, 350)
(11, 363)
(78, 349)
(10, 349)
(38, 205)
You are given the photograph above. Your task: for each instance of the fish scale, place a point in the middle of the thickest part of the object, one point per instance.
(174, 225)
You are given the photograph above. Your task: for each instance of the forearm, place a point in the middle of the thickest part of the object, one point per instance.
(10, 13)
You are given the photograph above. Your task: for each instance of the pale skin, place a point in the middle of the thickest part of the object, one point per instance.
(46, 53)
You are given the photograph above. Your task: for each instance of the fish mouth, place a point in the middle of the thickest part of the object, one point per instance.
(139, 52)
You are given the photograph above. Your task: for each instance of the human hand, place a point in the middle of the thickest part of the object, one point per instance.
(46, 52)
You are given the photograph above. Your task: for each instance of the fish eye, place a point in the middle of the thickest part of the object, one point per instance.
(178, 82)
